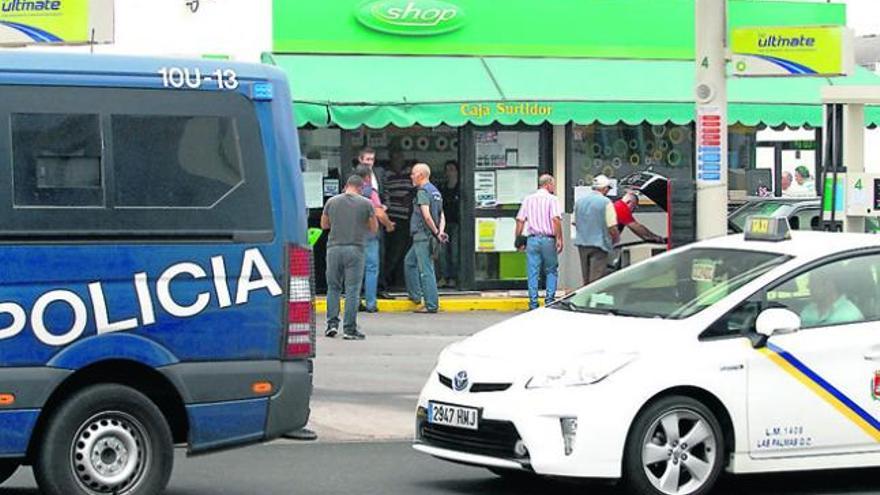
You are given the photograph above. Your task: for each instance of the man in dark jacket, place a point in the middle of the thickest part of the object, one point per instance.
(427, 227)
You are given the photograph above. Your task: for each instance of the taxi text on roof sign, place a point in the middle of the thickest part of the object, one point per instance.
(793, 51)
(761, 228)
(24, 22)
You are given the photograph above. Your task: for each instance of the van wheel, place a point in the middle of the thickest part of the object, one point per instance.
(7, 469)
(106, 439)
(676, 447)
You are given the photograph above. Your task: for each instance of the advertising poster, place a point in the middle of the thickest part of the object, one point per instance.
(485, 234)
(377, 139)
(514, 184)
(320, 165)
(504, 235)
(495, 235)
(528, 149)
(313, 184)
(331, 187)
(484, 189)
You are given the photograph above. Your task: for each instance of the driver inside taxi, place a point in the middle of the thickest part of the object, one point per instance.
(829, 305)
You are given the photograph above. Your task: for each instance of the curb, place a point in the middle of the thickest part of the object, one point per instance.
(449, 305)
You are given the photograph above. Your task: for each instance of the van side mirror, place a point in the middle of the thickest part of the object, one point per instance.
(775, 321)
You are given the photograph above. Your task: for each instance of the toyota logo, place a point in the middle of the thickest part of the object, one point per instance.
(461, 381)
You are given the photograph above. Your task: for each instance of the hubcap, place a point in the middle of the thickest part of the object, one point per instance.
(110, 453)
(678, 452)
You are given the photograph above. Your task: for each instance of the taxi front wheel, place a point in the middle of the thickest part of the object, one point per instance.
(676, 447)
(106, 439)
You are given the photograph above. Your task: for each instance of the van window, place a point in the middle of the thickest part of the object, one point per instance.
(57, 159)
(109, 164)
(174, 161)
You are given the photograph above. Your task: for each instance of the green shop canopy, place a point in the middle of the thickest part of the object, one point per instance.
(376, 91)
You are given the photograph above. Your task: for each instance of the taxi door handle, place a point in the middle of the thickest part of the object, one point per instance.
(873, 354)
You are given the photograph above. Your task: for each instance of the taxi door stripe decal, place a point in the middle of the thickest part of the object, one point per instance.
(829, 393)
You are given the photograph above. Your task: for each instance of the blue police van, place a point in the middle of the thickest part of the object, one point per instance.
(155, 275)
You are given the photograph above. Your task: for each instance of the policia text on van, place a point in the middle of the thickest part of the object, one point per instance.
(154, 246)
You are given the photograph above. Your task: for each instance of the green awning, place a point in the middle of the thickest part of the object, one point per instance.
(376, 91)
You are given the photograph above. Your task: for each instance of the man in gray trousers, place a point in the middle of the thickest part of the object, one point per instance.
(350, 218)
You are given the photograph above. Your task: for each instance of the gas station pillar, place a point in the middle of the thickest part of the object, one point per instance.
(710, 95)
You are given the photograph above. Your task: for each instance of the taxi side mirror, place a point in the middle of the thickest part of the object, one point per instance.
(775, 321)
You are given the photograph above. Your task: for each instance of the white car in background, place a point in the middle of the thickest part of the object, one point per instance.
(750, 353)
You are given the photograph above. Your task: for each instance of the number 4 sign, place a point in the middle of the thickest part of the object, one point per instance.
(861, 200)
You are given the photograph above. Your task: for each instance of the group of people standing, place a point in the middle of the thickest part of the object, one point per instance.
(800, 185)
(598, 223)
(354, 244)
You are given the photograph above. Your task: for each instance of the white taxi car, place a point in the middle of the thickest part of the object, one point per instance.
(750, 353)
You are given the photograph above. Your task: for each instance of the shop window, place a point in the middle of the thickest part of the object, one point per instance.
(175, 161)
(331, 155)
(57, 160)
(322, 150)
(508, 162)
(617, 151)
(741, 144)
(745, 171)
(122, 163)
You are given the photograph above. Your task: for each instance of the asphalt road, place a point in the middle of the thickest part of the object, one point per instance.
(395, 469)
(363, 410)
(380, 378)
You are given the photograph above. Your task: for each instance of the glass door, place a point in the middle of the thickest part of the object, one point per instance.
(503, 164)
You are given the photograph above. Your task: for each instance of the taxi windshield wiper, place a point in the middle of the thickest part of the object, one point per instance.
(634, 314)
(566, 305)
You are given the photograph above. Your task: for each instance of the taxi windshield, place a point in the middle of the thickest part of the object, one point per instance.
(675, 286)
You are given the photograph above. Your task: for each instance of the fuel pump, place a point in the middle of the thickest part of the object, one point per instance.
(848, 194)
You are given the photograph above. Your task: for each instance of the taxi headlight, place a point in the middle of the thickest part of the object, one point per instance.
(587, 370)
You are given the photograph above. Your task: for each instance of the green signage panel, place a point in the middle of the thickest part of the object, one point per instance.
(647, 29)
(793, 51)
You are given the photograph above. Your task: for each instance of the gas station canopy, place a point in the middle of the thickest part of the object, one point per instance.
(376, 91)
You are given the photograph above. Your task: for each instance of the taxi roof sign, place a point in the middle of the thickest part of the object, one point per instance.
(763, 228)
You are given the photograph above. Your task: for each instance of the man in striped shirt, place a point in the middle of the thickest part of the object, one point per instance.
(543, 215)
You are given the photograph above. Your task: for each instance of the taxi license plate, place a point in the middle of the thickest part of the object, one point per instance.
(455, 416)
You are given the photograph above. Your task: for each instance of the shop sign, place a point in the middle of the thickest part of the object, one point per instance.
(24, 22)
(491, 110)
(411, 17)
(818, 51)
(625, 29)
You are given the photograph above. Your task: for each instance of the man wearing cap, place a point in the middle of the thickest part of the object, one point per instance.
(596, 224)
(541, 211)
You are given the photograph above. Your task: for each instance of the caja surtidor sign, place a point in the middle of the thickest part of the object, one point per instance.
(488, 110)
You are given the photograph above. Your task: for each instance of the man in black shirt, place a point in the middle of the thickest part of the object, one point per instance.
(451, 191)
(398, 199)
